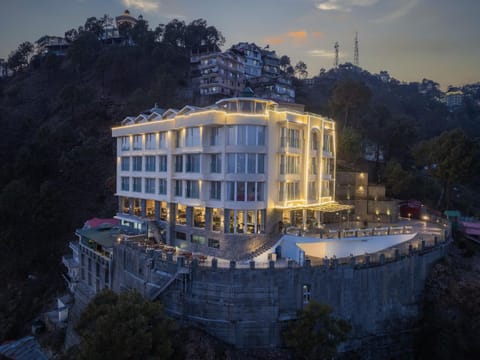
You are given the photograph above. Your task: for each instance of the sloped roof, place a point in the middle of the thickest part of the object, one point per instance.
(26, 348)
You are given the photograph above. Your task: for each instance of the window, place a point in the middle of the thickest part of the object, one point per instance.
(178, 138)
(240, 193)
(150, 163)
(261, 164)
(137, 184)
(162, 140)
(241, 135)
(215, 190)
(215, 163)
(150, 185)
(162, 186)
(213, 243)
(137, 142)
(125, 143)
(293, 191)
(313, 166)
(327, 143)
(125, 181)
(261, 135)
(178, 188)
(215, 136)
(178, 163)
(162, 163)
(181, 217)
(231, 135)
(197, 239)
(137, 163)
(260, 191)
(125, 163)
(231, 163)
(251, 163)
(281, 191)
(192, 163)
(306, 294)
(192, 189)
(290, 137)
(250, 191)
(289, 164)
(240, 169)
(230, 191)
(151, 141)
(192, 136)
(180, 235)
(312, 190)
(314, 141)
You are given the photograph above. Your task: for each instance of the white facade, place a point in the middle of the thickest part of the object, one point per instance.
(228, 174)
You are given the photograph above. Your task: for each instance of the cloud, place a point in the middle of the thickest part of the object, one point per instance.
(144, 5)
(343, 5)
(321, 53)
(296, 38)
(401, 11)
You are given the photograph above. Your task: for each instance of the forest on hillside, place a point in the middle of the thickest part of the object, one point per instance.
(57, 165)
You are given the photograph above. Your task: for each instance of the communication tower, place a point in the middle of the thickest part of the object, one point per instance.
(335, 63)
(356, 60)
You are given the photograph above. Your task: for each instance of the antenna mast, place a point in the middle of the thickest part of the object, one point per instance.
(335, 63)
(356, 60)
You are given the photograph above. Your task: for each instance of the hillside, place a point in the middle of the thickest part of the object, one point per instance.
(58, 157)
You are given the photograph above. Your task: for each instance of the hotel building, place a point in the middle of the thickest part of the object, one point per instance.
(226, 179)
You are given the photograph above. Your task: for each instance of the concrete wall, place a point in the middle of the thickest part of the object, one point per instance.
(249, 307)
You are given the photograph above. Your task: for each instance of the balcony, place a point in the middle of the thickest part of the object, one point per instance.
(70, 263)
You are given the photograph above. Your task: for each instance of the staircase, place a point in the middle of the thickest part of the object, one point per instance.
(266, 246)
(165, 286)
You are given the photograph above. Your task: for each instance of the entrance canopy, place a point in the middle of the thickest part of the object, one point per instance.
(327, 207)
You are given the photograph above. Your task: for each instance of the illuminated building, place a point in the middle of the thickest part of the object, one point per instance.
(227, 179)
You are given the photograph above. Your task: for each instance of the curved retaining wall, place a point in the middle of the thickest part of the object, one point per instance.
(249, 307)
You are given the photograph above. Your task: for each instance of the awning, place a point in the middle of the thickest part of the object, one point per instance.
(327, 207)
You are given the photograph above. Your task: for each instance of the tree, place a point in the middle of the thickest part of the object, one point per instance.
(124, 326)
(71, 35)
(301, 70)
(316, 334)
(18, 59)
(142, 36)
(94, 25)
(349, 145)
(284, 63)
(174, 33)
(450, 158)
(349, 95)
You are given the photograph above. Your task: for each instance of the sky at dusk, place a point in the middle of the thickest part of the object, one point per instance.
(411, 39)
